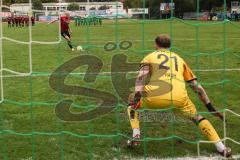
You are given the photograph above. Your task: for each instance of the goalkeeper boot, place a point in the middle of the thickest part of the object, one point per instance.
(134, 141)
(227, 153)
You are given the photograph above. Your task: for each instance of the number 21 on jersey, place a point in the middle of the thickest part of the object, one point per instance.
(165, 60)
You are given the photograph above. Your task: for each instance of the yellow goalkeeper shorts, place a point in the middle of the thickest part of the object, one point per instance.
(184, 107)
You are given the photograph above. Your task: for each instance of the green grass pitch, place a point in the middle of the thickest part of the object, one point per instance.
(29, 101)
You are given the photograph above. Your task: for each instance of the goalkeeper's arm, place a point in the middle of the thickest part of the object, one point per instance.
(139, 85)
(141, 78)
(197, 87)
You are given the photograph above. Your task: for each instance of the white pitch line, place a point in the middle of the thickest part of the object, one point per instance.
(183, 39)
(42, 42)
(15, 72)
(107, 73)
(216, 70)
(211, 157)
(16, 41)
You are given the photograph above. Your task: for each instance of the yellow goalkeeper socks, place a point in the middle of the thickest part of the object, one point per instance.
(208, 130)
(133, 118)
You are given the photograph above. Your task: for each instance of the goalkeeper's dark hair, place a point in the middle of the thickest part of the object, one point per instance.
(163, 41)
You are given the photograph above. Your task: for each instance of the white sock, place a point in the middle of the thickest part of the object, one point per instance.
(136, 131)
(220, 146)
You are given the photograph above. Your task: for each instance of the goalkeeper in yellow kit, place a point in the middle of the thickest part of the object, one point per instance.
(167, 73)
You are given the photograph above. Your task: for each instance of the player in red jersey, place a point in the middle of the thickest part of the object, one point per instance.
(16, 21)
(22, 21)
(65, 29)
(33, 21)
(9, 19)
(13, 20)
(26, 20)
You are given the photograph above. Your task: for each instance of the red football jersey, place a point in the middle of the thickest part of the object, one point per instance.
(64, 23)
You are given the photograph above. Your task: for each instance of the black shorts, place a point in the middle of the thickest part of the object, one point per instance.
(65, 33)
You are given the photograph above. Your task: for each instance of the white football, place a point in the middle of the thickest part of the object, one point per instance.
(79, 48)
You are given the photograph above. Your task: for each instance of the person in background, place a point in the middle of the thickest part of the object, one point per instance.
(65, 29)
(9, 21)
(22, 21)
(33, 21)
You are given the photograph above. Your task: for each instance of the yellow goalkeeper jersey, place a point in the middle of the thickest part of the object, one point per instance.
(168, 74)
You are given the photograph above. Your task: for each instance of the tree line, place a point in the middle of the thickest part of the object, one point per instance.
(185, 5)
(181, 6)
(153, 5)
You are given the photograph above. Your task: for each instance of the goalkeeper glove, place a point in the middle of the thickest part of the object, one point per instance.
(213, 111)
(136, 103)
